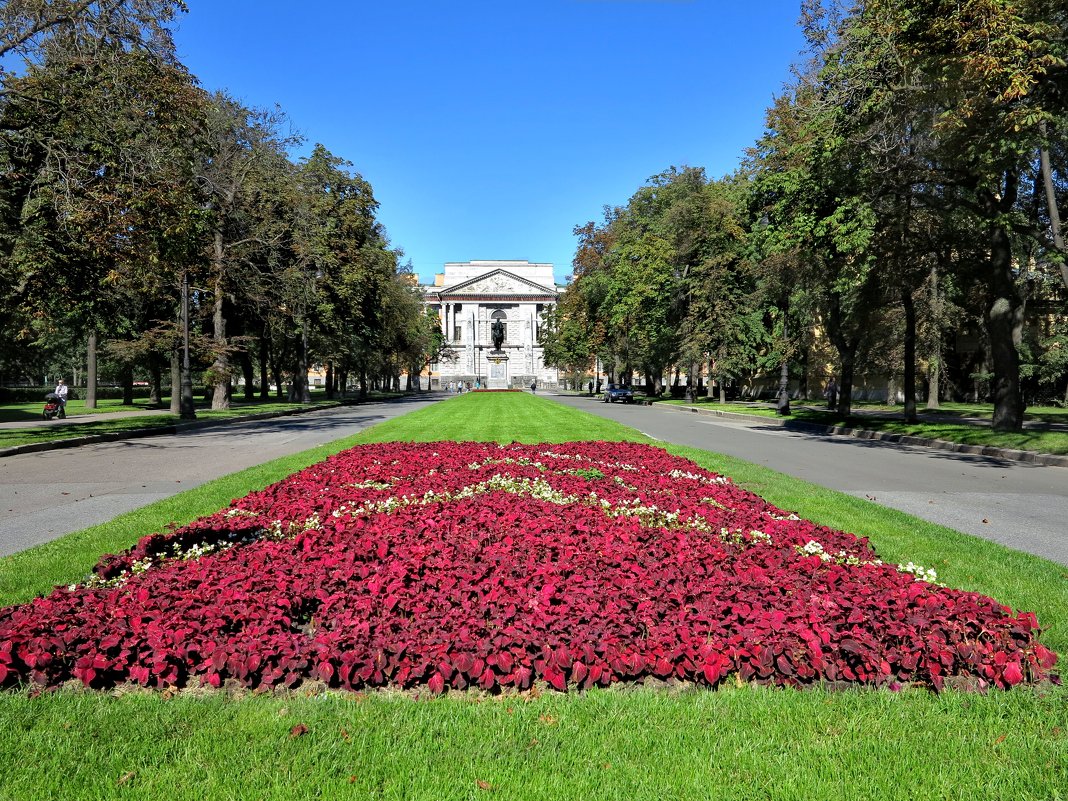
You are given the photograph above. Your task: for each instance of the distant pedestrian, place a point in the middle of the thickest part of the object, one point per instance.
(534, 387)
(61, 392)
(831, 393)
(591, 389)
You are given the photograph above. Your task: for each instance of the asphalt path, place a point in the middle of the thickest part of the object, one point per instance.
(48, 494)
(1019, 505)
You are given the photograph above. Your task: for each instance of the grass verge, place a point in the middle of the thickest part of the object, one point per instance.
(945, 427)
(11, 437)
(738, 743)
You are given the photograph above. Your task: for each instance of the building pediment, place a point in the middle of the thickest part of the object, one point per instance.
(496, 283)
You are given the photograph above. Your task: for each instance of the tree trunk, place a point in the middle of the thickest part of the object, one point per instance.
(176, 382)
(300, 379)
(910, 354)
(1051, 205)
(847, 353)
(1004, 319)
(654, 382)
(1004, 324)
(363, 383)
(245, 360)
(691, 390)
(127, 385)
(90, 371)
(265, 379)
(934, 370)
(330, 380)
(276, 371)
(155, 371)
(220, 368)
(847, 347)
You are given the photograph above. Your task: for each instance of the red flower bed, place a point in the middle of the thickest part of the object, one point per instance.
(457, 565)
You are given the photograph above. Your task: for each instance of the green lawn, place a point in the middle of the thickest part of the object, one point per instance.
(736, 743)
(30, 413)
(1052, 442)
(36, 432)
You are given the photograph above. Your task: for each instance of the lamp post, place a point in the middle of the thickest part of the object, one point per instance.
(187, 410)
(305, 394)
(782, 402)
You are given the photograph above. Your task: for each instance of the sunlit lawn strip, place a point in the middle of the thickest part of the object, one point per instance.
(11, 437)
(748, 743)
(1052, 442)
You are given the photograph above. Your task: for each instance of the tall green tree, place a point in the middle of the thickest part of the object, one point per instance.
(100, 205)
(246, 176)
(995, 69)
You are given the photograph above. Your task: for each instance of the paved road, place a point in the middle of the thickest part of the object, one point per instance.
(1023, 506)
(46, 495)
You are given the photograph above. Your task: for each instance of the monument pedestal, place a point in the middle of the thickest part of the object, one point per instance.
(497, 370)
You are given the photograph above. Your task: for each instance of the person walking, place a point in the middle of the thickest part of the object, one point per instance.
(61, 391)
(534, 387)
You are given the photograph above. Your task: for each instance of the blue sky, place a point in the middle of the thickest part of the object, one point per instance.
(489, 130)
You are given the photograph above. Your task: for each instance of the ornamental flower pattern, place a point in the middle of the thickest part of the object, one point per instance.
(455, 565)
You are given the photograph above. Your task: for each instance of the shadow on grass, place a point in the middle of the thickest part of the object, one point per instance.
(973, 459)
(165, 423)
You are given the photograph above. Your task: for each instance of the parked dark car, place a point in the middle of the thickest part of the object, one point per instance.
(618, 392)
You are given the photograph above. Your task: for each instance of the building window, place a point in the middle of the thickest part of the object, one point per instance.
(457, 332)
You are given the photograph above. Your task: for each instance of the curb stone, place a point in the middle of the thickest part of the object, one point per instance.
(156, 431)
(1009, 454)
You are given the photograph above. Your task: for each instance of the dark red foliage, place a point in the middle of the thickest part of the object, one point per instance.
(537, 574)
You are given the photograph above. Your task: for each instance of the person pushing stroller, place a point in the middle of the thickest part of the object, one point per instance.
(61, 391)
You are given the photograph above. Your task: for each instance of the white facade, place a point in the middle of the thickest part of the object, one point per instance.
(468, 297)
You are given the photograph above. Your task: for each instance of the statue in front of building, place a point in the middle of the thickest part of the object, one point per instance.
(497, 334)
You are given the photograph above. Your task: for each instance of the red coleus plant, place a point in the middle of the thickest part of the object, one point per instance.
(476, 565)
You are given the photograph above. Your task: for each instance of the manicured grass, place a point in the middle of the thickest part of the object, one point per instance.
(30, 413)
(1047, 414)
(976, 433)
(738, 743)
(1053, 442)
(746, 743)
(499, 417)
(11, 437)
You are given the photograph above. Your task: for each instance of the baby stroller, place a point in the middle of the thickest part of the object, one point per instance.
(53, 407)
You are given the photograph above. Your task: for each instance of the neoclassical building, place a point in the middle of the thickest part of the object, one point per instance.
(469, 297)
